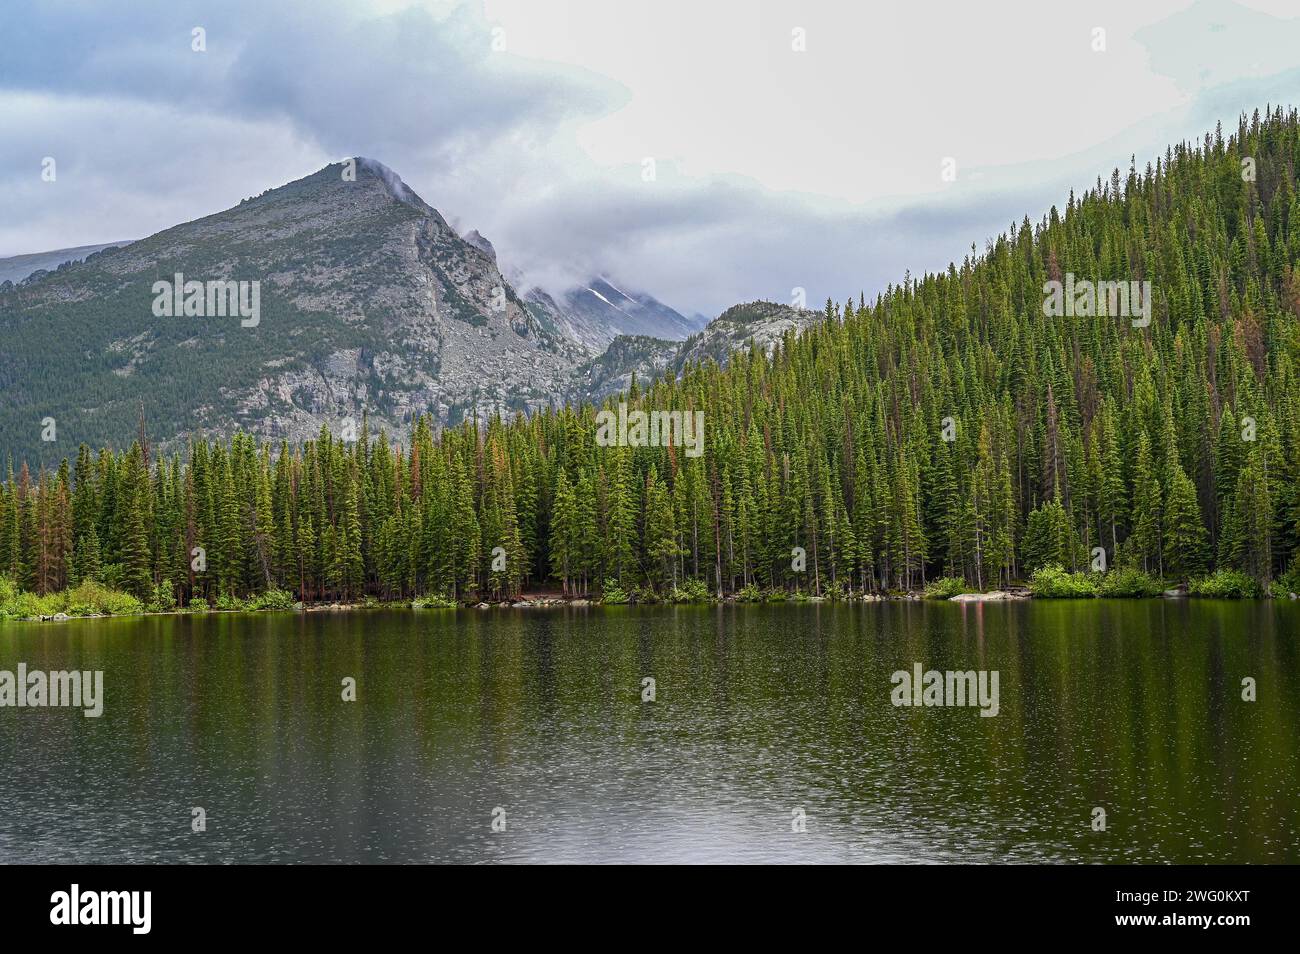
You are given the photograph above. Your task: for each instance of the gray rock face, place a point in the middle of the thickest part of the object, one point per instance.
(482, 244)
(370, 303)
(759, 324)
(456, 341)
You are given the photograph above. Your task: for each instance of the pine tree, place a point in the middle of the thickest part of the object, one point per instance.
(1184, 543)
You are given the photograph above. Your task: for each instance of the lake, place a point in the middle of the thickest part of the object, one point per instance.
(522, 735)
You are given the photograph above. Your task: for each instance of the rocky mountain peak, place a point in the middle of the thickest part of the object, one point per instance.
(480, 242)
(392, 181)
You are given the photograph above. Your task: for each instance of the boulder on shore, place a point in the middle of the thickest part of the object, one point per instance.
(992, 596)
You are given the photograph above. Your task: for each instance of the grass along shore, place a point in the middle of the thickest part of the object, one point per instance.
(93, 599)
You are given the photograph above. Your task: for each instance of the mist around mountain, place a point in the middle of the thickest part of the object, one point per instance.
(609, 311)
(597, 312)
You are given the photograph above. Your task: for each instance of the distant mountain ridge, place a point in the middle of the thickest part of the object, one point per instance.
(601, 304)
(371, 305)
(598, 311)
(17, 268)
(761, 324)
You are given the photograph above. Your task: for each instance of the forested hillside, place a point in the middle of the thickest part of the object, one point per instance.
(1174, 447)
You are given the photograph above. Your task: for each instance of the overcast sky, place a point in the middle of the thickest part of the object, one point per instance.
(780, 158)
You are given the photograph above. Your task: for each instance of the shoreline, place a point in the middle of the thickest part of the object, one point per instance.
(1010, 595)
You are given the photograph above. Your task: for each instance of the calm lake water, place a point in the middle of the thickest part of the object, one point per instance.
(1134, 707)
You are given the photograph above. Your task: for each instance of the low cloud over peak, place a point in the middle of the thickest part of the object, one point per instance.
(695, 153)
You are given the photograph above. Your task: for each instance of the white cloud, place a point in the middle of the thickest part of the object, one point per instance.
(775, 167)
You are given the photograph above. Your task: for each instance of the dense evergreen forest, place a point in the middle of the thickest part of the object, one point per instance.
(950, 428)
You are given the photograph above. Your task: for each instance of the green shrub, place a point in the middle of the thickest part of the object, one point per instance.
(1288, 582)
(1226, 585)
(612, 594)
(229, 601)
(8, 596)
(646, 594)
(164, 598)
(272, 599)
(433, 601)
(749, 593)
(117, 603)
(1052, 582)
(945, 588)
(24, 605)
(98, 598)
(691, 591)
(839, 593)
(198, 605)
(1129, 583)
(87, 599)
(1279, 590)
